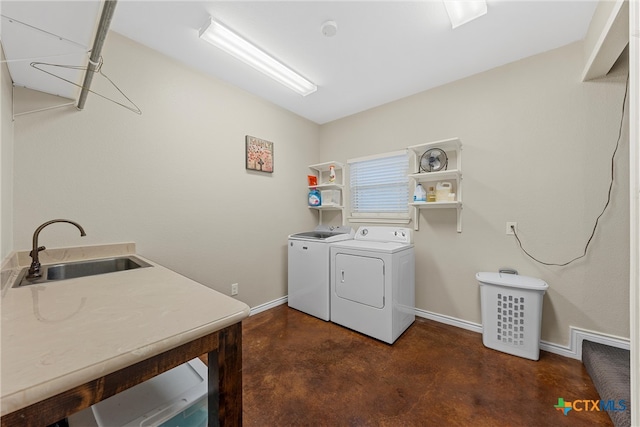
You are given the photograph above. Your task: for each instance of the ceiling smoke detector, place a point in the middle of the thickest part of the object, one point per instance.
(329, 28)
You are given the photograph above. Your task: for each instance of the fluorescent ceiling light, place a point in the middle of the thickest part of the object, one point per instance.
(222, 37)
(462, 11)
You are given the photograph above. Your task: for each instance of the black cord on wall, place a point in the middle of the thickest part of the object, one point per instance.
(595, 226)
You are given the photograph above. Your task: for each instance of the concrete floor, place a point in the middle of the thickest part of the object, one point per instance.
(299, 370)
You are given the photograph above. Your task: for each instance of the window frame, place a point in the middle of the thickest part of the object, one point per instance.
(378, 217)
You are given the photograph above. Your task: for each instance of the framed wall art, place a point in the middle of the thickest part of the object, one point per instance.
(258, 154)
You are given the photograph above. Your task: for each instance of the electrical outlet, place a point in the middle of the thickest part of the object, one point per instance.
(234, 289)
(511, 224)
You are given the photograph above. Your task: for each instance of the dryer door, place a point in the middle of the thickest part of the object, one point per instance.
(360, 279)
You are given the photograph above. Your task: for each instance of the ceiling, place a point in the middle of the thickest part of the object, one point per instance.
(383, 50)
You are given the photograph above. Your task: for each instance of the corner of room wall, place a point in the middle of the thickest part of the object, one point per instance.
(6, 160)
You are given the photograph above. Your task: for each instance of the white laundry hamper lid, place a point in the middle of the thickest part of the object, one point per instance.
(511, 280)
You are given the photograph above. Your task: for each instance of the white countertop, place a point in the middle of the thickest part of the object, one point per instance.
(62, 334)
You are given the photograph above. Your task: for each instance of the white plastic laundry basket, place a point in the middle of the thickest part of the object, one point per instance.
(511, 313)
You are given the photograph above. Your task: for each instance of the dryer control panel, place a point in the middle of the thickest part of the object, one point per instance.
(384, 234)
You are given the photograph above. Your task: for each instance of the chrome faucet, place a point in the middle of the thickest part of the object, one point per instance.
(34, 270)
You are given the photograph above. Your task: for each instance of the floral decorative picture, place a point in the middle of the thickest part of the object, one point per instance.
(259, 154)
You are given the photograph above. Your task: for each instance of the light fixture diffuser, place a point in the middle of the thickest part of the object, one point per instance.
(462, 11)
(222, 37)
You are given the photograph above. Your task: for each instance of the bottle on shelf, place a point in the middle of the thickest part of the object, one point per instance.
(442, 191)
(332, 174)
(419, 195)
(315, 199)
(431, 195)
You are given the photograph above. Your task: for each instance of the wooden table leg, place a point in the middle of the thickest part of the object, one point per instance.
(225, 379)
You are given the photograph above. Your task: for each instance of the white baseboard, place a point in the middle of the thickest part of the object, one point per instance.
(562, 350)
(573, 351)
(267, 305)
(578, 335)
(448, 320)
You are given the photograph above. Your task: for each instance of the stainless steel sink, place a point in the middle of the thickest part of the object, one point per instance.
(72, 270)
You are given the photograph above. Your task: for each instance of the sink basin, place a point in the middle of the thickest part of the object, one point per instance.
(72, 270)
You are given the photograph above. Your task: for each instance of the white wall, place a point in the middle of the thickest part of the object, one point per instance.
(536, 149)
(172, 180)
(6, 161)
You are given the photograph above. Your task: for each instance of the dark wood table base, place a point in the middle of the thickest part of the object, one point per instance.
(224, 349)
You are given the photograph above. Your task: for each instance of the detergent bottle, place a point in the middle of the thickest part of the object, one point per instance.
(442, 191)
(419, 195)
(315, 199)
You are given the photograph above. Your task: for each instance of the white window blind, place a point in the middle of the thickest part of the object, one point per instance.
(379, 185)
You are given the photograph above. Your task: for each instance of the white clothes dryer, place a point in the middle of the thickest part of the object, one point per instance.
(308, 268)
(373, 282)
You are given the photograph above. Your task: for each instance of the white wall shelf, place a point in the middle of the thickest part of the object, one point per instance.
(327, 208)
(453, 148)
(324, 167)
(321, 171)
(435, 205)
(327, 186)
(436, 176)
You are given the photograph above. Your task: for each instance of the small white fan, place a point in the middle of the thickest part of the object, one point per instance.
(433, 160)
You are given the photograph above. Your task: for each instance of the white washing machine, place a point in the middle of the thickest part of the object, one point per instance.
(308, 259)
(373, 282)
